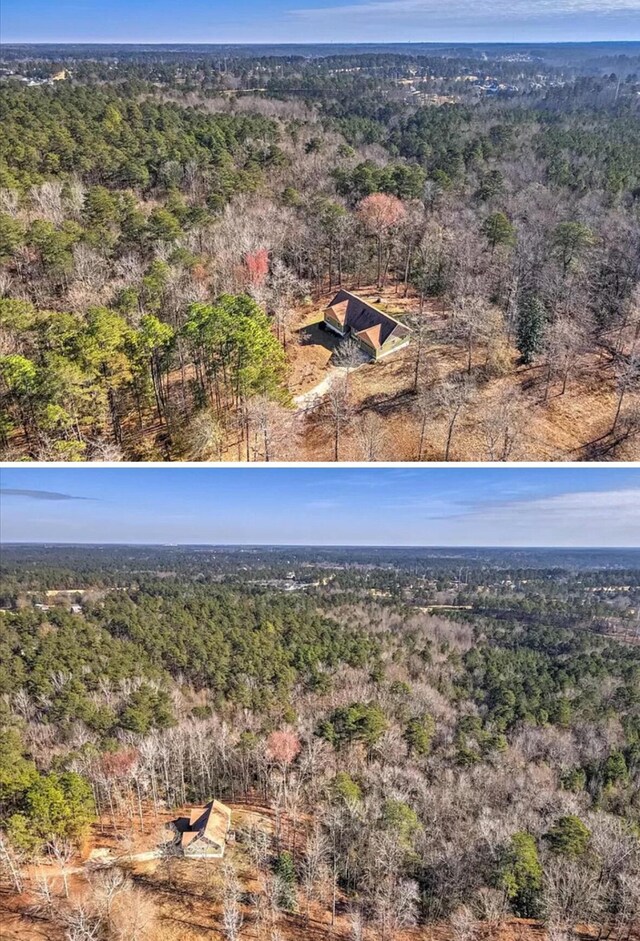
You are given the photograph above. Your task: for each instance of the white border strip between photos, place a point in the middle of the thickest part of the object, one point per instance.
(440, 465)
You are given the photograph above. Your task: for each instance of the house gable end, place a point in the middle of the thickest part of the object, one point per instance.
(362, 318)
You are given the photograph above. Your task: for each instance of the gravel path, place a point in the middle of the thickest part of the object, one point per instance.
(311, 399)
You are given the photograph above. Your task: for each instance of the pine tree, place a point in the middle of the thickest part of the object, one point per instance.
(286, 874)
(498, 230)
(569, 836)
(531, 322)
(521, 875)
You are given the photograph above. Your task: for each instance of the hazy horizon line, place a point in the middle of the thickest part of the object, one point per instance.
(336, 42)
(309, 545)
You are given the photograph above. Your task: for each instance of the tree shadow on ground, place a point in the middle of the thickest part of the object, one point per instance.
(316, 335)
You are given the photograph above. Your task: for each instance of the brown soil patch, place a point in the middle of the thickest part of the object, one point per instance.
(310, 354)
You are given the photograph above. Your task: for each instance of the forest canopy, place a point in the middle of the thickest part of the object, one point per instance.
(374, 697)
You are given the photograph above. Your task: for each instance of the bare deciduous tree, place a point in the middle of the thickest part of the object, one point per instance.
(464, 926)
(564, 341)
(380, 214)
(232, 916)
(107, 885)
(205, 436)
(314, 864)
(348, 357)
(572, 893)
(504, 424)
(452, 396)
(338, 410)
(10, 862)
(370, 436)
(62, 851)
(133, 916)
(471, 322)
(627, 375)
(356, 921)
(81, 922)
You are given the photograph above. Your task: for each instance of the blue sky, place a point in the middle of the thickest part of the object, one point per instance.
(246, 21)
(370, 505)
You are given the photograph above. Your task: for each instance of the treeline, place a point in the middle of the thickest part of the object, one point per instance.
(121, 138)
(245, 648)
(82, 375)
(520, 579)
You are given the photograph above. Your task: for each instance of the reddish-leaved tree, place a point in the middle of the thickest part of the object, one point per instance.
(257, 265)
(379, 213)
(283, 747)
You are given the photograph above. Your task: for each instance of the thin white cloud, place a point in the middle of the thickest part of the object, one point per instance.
(592, 518)
(39, 494)
(470, 10)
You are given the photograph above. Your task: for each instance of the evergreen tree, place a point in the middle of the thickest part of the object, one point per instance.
(569, 836)
(521, 875)
(286, 875)
(419, 734)
(498, 230)
(531, 323)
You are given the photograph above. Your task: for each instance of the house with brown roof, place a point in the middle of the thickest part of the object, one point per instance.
(375, 332)
(204, 832)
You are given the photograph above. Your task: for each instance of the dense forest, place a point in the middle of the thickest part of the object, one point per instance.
(170, 225)
(434, 746)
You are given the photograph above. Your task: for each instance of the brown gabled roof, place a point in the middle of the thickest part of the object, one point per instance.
(338, 311)
(188, 837)
(361, 317)
(372, 336)
(212, 822)
(218, 822)
(194, 816)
